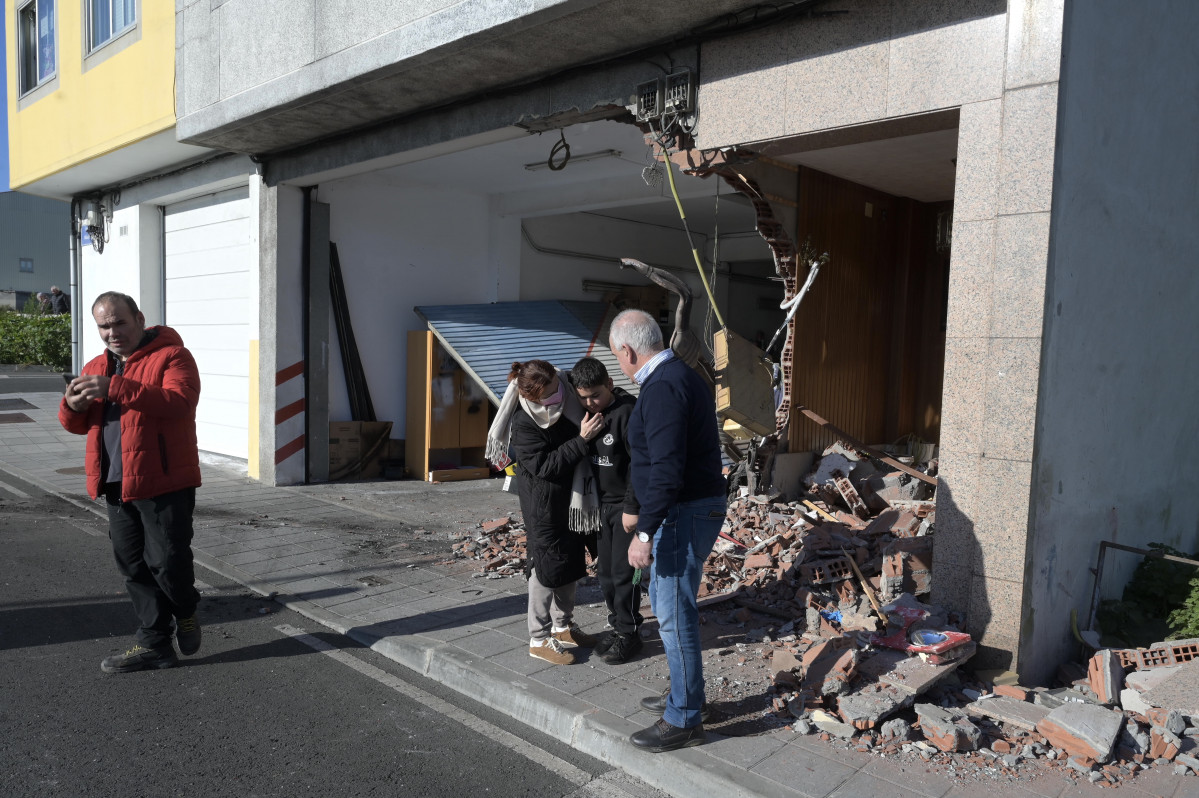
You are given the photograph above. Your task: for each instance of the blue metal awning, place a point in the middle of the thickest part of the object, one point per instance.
(486, 339)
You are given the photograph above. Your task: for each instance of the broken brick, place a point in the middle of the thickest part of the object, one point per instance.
(1083, 729)
(1011, 691)
(850, 494)
(826, 571)
(760, 560)
(783, 660)
(906, 526)
(948, 731)
(1105, 676)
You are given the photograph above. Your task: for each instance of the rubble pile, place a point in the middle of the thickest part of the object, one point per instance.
(884, 678)
(854, 691)
(802, 557)
(849, 651)
(499, 544)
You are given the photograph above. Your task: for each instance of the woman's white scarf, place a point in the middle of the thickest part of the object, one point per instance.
(584, 501)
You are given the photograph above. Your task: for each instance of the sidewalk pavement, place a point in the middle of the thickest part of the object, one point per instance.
(322, 550)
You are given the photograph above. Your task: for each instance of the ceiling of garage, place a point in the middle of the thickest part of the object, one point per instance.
(920, 166)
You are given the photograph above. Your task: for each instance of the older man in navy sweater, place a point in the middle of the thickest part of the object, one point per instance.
(676, 474)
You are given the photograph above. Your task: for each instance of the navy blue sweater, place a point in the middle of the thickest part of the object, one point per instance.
(673, 443)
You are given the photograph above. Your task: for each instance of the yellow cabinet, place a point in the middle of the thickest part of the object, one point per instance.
(447, 417)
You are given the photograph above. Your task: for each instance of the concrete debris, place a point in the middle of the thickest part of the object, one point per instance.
(895, 731)
(1083, 729)
(1179, 691)
(947, 730)
(1011, 711)
(831, 725)
(1148, 679)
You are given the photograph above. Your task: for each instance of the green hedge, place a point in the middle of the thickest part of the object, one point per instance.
(35, 340)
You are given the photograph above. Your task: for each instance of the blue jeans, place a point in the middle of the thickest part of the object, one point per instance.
(681, 546)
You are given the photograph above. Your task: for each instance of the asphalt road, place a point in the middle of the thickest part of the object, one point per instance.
(34, 381)
(272, 705)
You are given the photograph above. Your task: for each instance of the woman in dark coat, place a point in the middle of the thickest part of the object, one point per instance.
(549, 448)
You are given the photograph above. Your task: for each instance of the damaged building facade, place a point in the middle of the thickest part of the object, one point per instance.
(1005, 189)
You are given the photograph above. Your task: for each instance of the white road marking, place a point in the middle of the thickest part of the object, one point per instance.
(93, 530)
(609, 786)
(19, 493)
(547, 760)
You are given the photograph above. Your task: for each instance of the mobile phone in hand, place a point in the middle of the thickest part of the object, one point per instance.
(67, 377)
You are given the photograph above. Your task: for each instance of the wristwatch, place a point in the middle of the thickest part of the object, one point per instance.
(643, 536)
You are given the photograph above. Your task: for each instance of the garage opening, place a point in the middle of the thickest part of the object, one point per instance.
(489, 225)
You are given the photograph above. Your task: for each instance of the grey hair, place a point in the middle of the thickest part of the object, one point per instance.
(637, 330)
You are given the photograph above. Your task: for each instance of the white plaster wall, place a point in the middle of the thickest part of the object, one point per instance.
(1116, 423)
(547, 275)
(403, 246)
(119, 268)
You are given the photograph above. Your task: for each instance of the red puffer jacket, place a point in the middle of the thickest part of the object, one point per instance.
(158, 394)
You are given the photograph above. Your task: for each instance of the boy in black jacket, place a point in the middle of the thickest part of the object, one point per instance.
(610, 457)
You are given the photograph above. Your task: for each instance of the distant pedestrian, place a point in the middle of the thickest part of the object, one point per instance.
(43, 302)
(137, 405)
(610, 460)
(676, 474)
(541, 420)
(59, 302)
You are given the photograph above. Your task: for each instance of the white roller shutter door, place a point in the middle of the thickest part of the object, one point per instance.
(208, 270)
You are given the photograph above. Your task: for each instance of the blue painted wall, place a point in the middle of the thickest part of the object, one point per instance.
(4, 110)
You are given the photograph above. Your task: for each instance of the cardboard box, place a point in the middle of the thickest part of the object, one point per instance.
(356, 448)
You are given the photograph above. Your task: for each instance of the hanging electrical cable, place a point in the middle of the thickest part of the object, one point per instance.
(708, 331)
(560, 146)
(683, 216)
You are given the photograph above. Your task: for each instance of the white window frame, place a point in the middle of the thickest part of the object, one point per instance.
(113, 33)
(30, 37)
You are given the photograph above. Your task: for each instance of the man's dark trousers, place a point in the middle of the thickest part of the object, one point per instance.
(616, 575)
(151, 541)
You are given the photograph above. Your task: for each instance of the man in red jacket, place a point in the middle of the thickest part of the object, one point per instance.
(137, 405)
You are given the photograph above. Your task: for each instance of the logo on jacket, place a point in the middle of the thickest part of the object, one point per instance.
(609, 440)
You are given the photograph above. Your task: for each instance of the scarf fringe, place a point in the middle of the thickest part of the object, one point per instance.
(584, 520)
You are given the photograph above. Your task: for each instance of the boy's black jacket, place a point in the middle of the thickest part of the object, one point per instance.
(610, 454)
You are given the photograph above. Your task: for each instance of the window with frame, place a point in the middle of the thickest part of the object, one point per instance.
(26, 264)
(107, 19)
(36, 43)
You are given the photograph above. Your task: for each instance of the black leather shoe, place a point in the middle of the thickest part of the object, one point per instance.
(621, 648)
(605, 643)
(664, 737)
(657, 705)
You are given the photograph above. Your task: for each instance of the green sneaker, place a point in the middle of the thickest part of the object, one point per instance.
(140, 658)
(187, 635)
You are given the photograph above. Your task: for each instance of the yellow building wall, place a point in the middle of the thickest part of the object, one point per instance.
(121, 100)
